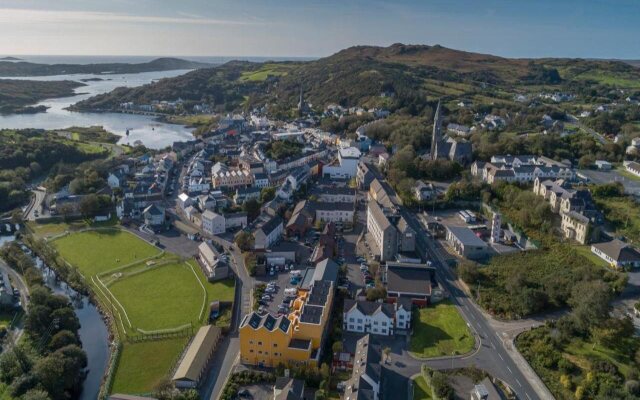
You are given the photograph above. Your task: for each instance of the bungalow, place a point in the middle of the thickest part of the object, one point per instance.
(424, 191)
(617, 253)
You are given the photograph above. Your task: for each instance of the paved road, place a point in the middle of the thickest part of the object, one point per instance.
(227, 355)
(496, 354)
(35, 204)
(21, 285)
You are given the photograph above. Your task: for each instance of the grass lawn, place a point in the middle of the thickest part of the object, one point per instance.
(586, 252)
(142, 365)
(164, 297)
(94, 252)
(421, 390)
(440, 331)
(264, 72)
(622, 356)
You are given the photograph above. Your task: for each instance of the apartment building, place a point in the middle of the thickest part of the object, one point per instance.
(296, 338)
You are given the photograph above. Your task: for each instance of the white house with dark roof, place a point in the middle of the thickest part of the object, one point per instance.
(617, 253)
(268, 233)
(377, 318)
(213, 223)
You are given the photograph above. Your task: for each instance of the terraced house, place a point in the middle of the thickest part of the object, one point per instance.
(296, 338)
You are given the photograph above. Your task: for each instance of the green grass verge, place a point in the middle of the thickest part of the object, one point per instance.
(94, 252)
(623, 172)
(440, 331)
(421, 389)
(143, 365)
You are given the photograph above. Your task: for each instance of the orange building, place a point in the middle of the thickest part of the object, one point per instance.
(268, 341)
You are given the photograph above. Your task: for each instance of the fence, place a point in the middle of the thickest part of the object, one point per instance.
(186, 331)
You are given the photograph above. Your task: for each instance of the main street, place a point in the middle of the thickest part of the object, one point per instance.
(496, 354)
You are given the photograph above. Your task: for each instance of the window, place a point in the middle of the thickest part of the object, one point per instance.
(251, 351)
(259, 352)
(359, 320)
(275, 345)
(400, 316)
(259, 343)
(250, 341)
(375, 322)
(352, 319)
(384, 323)
(351, 327)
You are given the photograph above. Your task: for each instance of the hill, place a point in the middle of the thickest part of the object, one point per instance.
(16, 94)
(358, 75)
(23, 68)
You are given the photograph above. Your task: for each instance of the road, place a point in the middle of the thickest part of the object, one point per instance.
(228, 353)
(35, 204)
(496, 354)
(587, 129)
(21, 285)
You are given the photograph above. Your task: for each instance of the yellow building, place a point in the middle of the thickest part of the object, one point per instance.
(289, 339)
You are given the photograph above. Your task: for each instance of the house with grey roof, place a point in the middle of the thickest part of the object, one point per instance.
(465, 242)
(617, 253)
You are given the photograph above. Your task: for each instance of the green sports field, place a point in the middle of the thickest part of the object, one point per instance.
(147, 290)
(163, 297)
(94, 252)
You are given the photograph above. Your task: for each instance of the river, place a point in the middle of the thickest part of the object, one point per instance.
(147, 129)
(93, 332)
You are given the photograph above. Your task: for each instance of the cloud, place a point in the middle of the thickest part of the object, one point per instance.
(29, 16)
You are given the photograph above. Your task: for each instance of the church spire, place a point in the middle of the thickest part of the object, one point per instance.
(436, 136)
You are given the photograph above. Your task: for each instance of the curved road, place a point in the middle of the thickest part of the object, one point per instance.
(496, 354)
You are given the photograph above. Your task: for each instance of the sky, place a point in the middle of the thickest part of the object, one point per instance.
(316, 28)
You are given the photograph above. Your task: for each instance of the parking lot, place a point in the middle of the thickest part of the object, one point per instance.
(282, 281)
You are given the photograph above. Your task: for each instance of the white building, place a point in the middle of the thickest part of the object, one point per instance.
(235, 220)
(213, 223)
(347, 164)
(376, 318)
(268, 233)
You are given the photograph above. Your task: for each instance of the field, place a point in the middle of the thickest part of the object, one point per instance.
(421, 390)
(264, 72)
(149, 292)
(93, 252)
(624, 214)
(440, 331)
(143, 365)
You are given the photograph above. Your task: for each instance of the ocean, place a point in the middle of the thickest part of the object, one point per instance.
(62, 59)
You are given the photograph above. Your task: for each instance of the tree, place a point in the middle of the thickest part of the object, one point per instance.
(252, 208)
(589, 301)
(48, 370)
(267, 194)
(62, 339)
(469, 272)
(36, 394)
(245, 241)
